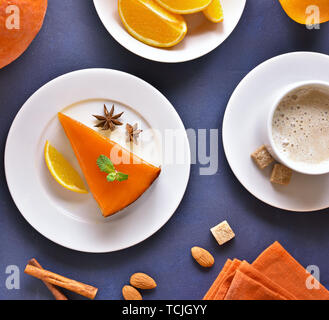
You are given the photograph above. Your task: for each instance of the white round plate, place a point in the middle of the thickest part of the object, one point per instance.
(74, 220)
(241, 131)
(202, 37)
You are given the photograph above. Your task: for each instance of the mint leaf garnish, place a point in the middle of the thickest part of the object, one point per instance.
(121, 176)
(105, 165)
(111, 176)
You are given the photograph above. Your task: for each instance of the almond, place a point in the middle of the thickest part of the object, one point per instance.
(142, 281)
(130, 293)
(203, 257)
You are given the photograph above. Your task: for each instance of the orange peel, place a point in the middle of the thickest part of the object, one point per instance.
(184, 6)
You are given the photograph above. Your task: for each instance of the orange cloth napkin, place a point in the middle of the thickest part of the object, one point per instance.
(227, 279)
(277, 264)
(250, 284)
(274, 275)
(213, 289)
(246, 288)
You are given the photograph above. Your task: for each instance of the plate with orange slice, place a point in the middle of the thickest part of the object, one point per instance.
(170, 30)
(105, 165)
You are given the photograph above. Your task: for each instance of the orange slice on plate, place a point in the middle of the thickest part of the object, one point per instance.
(306, 11)
(150, 23)
(214, 12)
(62, 170)
(184, 6)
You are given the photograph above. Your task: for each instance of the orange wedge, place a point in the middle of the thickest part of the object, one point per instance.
(152, 24)
(214, 12)
(184, 6)
(306, 11)
(62, 170)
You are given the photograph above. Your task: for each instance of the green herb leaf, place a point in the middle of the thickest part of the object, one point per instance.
(111, 176)
(121, 176)
(105, 164)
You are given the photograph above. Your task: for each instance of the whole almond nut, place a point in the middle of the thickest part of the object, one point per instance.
(203, 257)
(142, 281)
(130, 293)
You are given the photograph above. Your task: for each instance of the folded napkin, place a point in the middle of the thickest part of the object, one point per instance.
(213, 289)
(277, 264)
(246, 288)
(227, 279)
(274, 275)
(250, 284)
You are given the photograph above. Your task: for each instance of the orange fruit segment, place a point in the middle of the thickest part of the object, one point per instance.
(62, 170)
(184, 6)
(301, 11)
(88, 145)
(152, 24)
(20, 22)
(214, 12)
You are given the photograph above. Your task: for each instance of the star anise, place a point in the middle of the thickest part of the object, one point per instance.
(132, 132)
(109, 121)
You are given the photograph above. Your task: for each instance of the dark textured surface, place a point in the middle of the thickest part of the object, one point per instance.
(74, 38)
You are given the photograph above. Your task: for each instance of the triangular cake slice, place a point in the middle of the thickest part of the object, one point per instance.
(88, 145)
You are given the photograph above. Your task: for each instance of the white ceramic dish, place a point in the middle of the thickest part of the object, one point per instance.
(74, 220)
(242, 127)
(202, 36)
(313, 169)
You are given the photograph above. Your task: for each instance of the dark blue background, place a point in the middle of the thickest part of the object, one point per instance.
(74, 38)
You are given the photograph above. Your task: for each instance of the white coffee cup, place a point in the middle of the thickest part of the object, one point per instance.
(302, 167)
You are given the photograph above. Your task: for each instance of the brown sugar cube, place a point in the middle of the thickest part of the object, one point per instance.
(281, 174)
(222, 232)
(262, 157)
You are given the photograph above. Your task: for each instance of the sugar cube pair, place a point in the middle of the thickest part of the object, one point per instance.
(280, 173)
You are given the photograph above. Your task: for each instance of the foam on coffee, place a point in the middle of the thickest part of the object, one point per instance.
(300, 125)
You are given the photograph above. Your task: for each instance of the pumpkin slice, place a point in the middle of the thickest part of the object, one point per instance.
(20, 22)
(88, 145)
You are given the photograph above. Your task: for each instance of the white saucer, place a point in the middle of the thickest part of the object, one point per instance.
(241, 131)
(202, 36)
(74, 220)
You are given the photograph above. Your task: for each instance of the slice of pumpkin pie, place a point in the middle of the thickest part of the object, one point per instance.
(111, 196)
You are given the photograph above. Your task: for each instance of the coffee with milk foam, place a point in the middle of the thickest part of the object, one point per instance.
(300, 125)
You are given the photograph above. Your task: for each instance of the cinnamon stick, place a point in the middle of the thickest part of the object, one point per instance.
(58, 295)
(60, 281)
